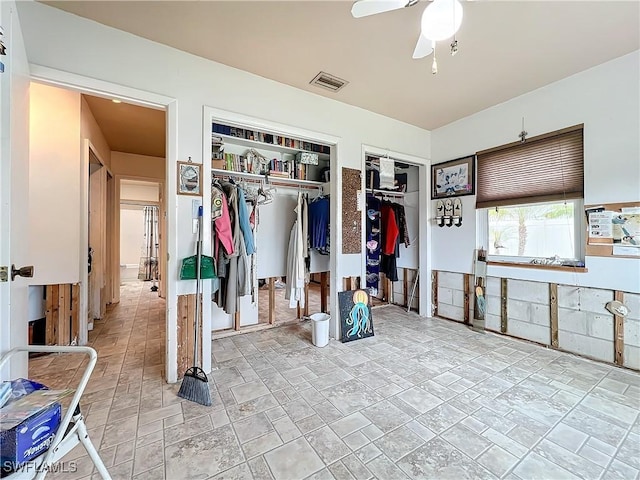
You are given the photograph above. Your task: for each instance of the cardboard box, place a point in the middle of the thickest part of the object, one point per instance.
(31, 437)
(218, 163)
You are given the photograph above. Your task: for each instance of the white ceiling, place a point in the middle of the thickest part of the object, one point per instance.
(507, 48)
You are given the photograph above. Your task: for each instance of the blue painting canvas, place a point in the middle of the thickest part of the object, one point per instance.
(355, 315)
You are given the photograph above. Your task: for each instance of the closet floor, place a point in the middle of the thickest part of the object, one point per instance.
(423, 398)
(282, 311)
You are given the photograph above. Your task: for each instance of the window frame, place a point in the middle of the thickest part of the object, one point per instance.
(579, 224)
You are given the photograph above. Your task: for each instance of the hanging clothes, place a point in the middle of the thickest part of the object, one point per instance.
(295, 259)
(245, 226)
(229, 212)
(401, 220)
(387, 173)
(319, 224)
(221, 220)
(373, 243)
(390, 228)
(394, 231)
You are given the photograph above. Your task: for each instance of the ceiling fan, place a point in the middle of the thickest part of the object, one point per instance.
(441, 19)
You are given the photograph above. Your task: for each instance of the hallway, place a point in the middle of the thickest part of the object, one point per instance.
(126, 382)
(422, 399)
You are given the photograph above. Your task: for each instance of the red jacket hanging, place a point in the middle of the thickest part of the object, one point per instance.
(390, 229)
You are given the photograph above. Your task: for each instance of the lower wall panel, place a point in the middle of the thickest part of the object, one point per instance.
(585, 327)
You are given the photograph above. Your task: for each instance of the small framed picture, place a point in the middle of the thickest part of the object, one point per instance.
(189, 178)
(454, 178)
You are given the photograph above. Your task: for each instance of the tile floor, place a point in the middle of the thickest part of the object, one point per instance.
(421, 399)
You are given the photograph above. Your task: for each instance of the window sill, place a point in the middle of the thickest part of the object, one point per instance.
(557, 268)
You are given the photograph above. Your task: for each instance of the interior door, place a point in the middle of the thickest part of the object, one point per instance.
(14, 188)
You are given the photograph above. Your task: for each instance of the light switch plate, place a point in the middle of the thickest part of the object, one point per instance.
(195, 204)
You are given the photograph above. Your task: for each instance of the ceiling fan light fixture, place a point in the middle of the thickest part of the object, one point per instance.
(441, 19)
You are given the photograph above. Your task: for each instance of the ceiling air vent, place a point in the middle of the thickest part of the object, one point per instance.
(328, 81)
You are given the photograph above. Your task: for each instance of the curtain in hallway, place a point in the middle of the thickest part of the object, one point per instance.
(148, 269)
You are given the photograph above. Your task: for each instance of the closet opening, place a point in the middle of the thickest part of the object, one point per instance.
(272, 269)
(392, 231)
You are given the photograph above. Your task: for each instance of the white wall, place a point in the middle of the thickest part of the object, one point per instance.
(139, 192)
(606, 99)
(196, 82)
(131, 234)
(54, 185)
(89, 129)
(51, 38)
(133, 165)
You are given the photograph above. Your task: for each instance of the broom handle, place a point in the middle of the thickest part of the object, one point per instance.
(198, 262)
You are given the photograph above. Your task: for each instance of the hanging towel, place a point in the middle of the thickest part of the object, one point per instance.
(387, 173)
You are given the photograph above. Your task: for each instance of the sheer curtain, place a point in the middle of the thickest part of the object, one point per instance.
(149, 260)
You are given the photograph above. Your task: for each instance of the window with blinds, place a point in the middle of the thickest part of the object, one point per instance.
(544, 168)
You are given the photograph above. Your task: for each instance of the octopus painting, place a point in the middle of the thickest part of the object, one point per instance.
(355, 315)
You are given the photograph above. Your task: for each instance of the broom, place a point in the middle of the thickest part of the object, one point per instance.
(195, 384)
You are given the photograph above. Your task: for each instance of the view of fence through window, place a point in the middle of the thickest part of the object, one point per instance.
(543, 230)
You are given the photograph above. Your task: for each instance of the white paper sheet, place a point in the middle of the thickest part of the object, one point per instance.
(626, 250)
(600, 225)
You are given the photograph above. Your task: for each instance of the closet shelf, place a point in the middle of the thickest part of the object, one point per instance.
(388, 193)
(270, 179)
(266, 146)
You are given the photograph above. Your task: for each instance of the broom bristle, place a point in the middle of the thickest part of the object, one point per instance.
(195, 387)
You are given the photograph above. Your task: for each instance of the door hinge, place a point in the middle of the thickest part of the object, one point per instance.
(4, 274)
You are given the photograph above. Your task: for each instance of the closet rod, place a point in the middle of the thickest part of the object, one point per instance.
(271, 180)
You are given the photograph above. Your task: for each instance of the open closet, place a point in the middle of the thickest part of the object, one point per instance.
(391, 235)
(269, 227)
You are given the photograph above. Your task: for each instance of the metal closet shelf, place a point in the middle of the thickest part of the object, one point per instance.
(268, 179)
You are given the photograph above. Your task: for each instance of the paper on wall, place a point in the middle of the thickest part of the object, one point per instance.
(626, 229)
(626, 250)
(600, 224)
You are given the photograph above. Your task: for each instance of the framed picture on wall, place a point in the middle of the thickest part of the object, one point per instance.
(454, 178)
(189, 178)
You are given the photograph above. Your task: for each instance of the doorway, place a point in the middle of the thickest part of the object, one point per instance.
(140, 248)
(118, 140)
(396, 235)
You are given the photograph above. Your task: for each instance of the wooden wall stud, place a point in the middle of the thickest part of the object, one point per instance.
(503, 305)
(467, 303)
(618, 332)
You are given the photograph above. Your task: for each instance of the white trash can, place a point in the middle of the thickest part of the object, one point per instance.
(320, 329)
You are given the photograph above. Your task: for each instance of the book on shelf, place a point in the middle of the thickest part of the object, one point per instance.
(268, 138)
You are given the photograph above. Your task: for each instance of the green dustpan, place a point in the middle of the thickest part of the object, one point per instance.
(188, 268)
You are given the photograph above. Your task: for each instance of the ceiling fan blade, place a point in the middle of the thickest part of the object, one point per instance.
(364, 8)
(424, 47)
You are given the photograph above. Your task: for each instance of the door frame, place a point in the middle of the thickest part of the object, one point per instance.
(87, 146)
(105, 89)
(425, 307)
